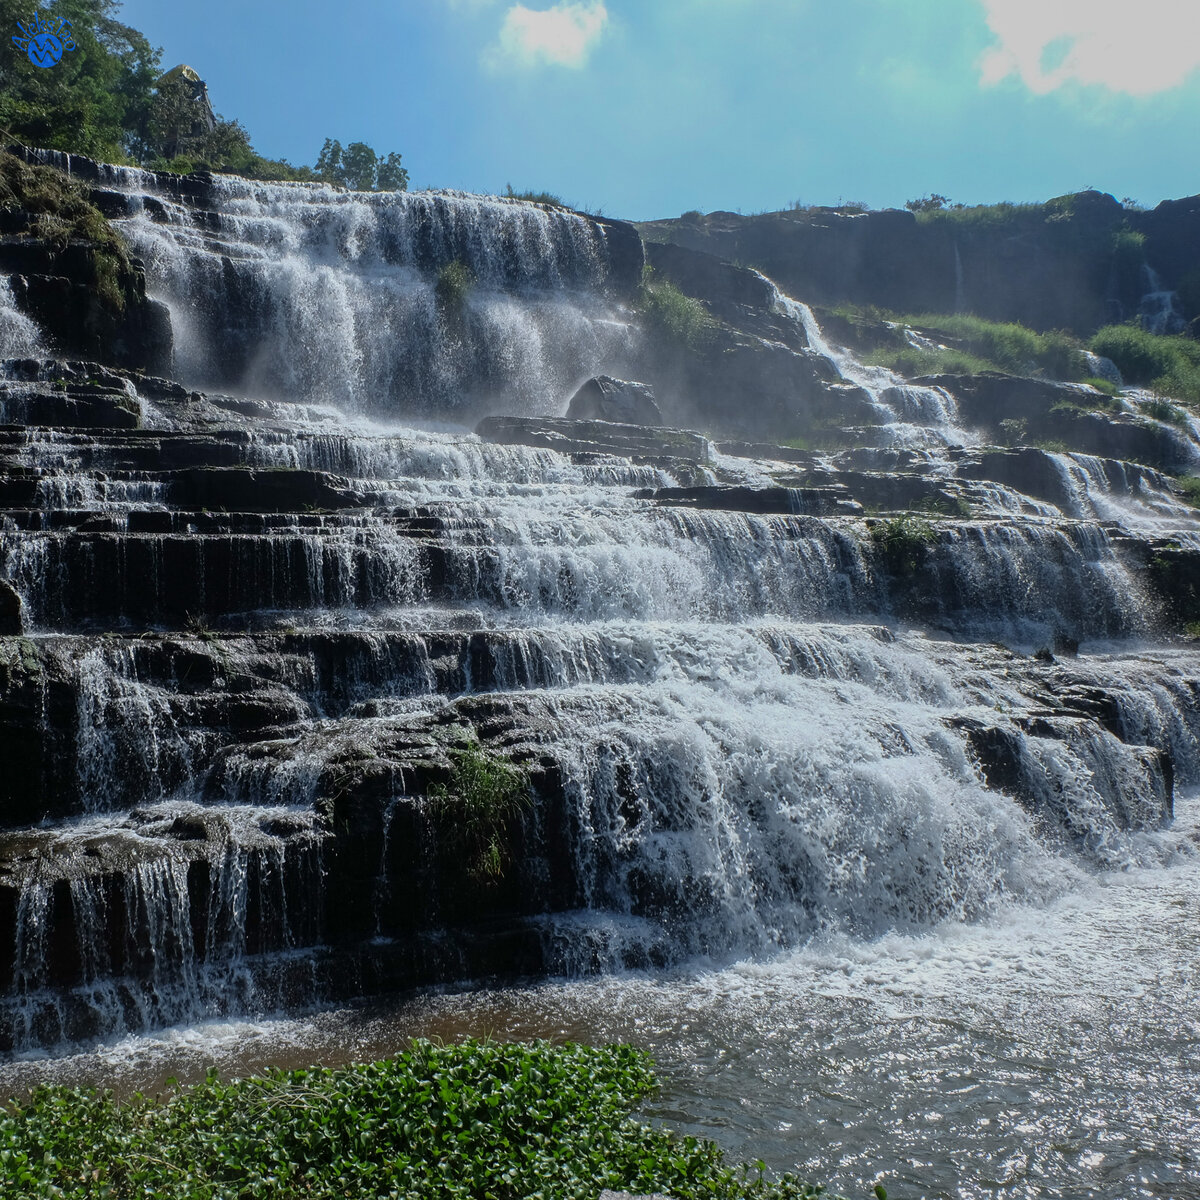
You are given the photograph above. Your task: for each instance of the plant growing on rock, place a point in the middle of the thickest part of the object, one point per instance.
(903, 541)
(454, 284)
(474, 811)
(671, 315)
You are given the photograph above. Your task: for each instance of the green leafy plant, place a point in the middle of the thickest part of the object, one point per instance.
(1189, 489)
(475, 810)
(458, 1122)
(454, 283)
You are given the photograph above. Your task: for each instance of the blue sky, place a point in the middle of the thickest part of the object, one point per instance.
(645, 108)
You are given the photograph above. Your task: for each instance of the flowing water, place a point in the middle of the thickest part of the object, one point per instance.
(887, 896)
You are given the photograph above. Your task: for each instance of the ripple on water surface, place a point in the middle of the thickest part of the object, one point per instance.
(1051, 1052)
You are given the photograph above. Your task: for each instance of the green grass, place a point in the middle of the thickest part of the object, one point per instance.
(1189, 490)
(911, 361)
(1168, 364)
(475, 810)
(476, 1121)
(975, 344)
(671, 315)
(983, 216)
(1164, 410)
(535, 197)
(1007, 345)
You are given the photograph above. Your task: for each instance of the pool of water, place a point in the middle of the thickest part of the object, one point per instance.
(1048, 1052)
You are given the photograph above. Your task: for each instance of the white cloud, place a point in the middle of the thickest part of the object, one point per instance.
(1139, 49)
(564, 34)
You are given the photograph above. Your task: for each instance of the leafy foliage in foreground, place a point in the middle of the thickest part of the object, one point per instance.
(479, 1120)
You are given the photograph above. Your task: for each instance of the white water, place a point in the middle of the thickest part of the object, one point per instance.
(303, 290)
(19, 336)
(871, 963)
(910, 415)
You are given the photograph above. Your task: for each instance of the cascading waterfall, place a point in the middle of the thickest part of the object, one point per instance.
(304, 290)
(742, 726)
(19, 336)
(910, 415)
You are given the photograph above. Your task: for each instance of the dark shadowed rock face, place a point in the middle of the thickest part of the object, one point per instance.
(607, 399)
(10, 609)
(1051, 266)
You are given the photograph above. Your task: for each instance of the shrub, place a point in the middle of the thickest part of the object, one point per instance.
(474, 811)
(458, 1122)
(454, 284)
(1189, 489)
(673, 316)
(903, 541)
(1164, 410)
(930, 203)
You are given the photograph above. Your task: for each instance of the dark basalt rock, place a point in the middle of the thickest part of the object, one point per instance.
(725, 288)
(594, 437)
(620, 400)
(1070, 413)
(1051, 266)
(806, 501)
(278, 490)
(10, 609)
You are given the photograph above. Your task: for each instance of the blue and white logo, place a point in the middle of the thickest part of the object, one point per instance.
(44, 41)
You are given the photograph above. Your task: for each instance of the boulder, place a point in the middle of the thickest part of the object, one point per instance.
(621, 400)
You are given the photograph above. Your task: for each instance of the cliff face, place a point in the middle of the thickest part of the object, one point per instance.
(71, 273)
(1067, 264)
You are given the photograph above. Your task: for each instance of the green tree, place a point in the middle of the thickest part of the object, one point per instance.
(97, 100)
(329, 162)
(392, 177)
(359, 167)
(359, 163)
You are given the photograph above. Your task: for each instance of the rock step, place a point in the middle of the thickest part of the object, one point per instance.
(830, 500)
(595, 437)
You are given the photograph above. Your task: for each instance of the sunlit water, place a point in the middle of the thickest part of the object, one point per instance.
(1050, 1052)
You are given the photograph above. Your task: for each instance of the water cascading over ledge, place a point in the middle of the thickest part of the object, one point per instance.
(306, 291)
(255, 648)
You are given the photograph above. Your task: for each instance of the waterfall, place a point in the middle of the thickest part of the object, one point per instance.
(19, 336)
(1157, 311)
(308, 291)
(910, 415)
(750, 701)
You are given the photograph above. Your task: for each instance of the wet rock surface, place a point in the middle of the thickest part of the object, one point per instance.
(251, 655)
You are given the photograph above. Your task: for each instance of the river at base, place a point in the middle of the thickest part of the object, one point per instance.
(1048, 1052)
